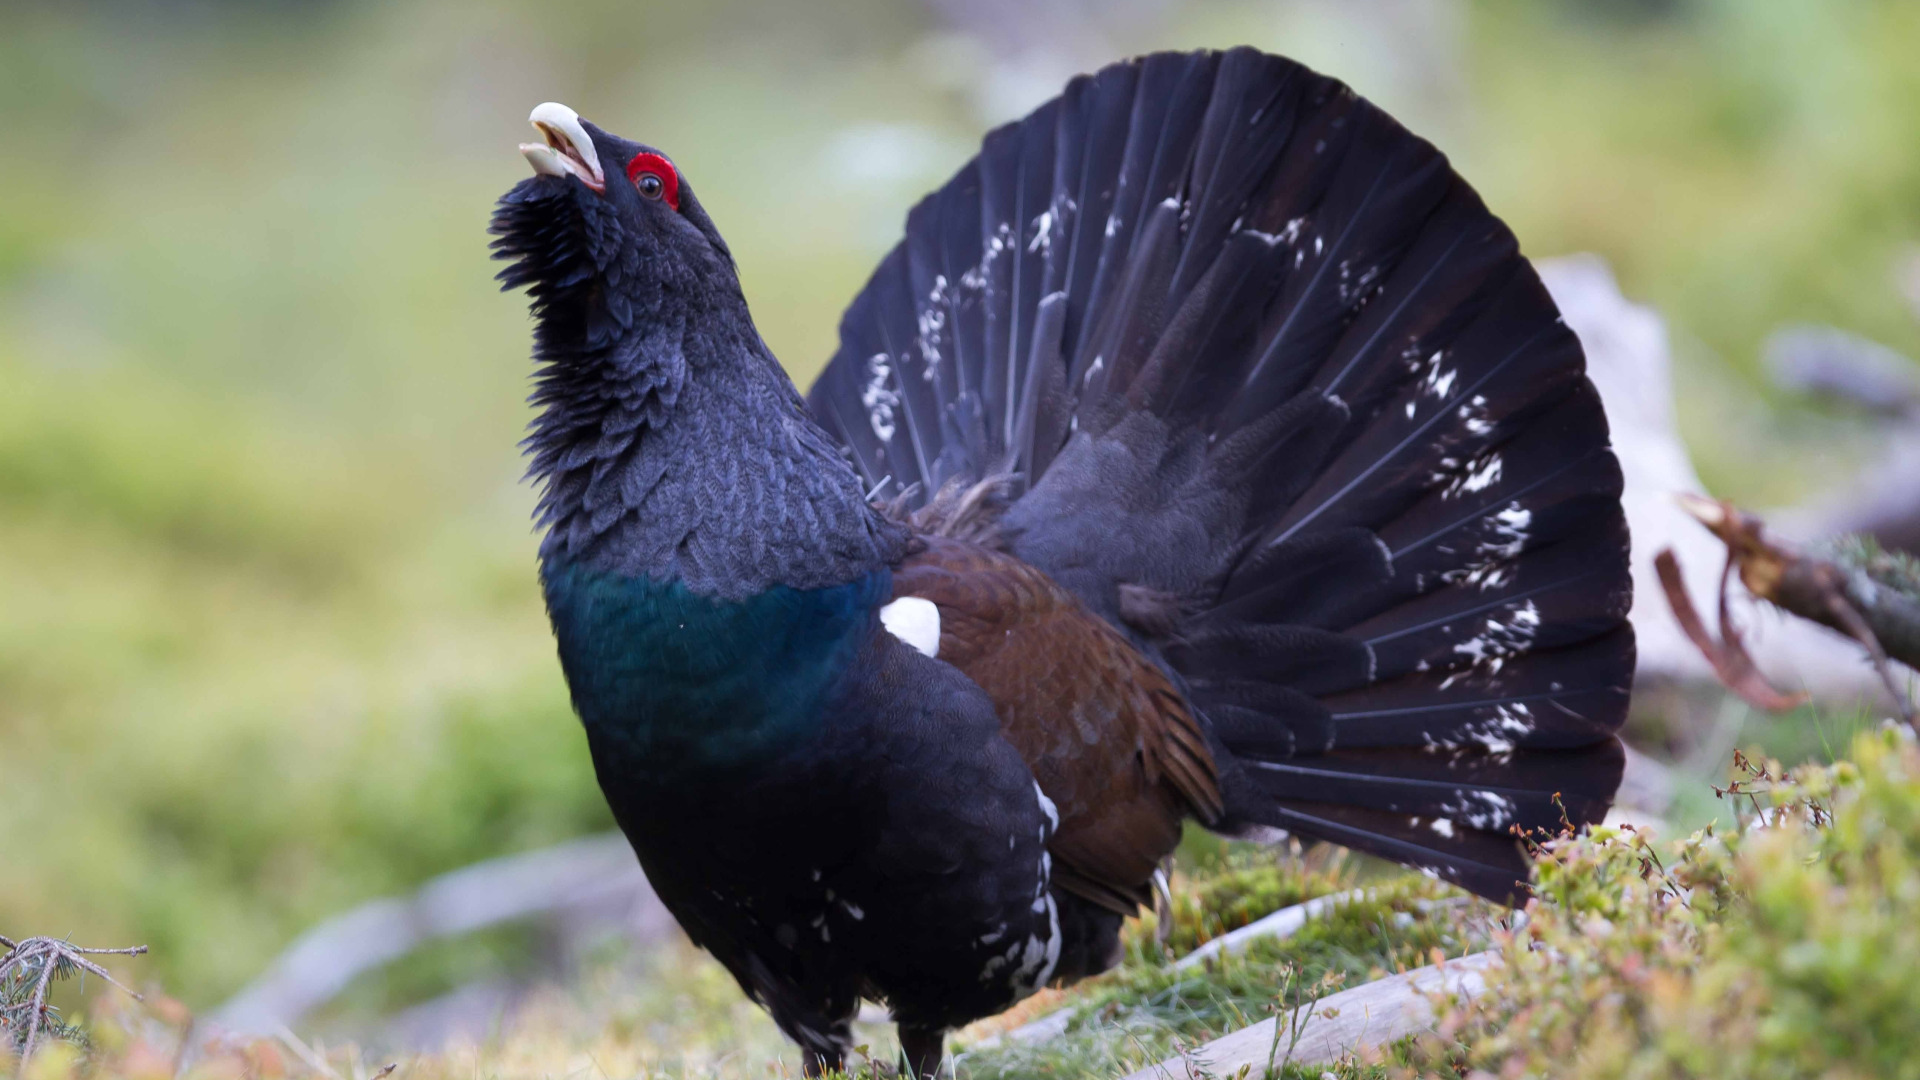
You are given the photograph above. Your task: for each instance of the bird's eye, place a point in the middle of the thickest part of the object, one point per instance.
(654, 177)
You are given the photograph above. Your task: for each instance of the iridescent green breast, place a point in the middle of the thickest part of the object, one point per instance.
(678, 684)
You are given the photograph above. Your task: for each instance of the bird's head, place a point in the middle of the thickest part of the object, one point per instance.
(651, 382)
(607, 236)
(633, 293)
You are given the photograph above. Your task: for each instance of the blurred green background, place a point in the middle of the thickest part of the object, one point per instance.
(270, 643)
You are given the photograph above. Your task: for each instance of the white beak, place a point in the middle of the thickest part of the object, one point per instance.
(568, 150)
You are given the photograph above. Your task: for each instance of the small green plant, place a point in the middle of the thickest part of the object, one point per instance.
(28, 971)
(1785, 946)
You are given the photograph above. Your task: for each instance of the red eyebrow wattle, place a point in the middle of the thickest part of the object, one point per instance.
(660, 167)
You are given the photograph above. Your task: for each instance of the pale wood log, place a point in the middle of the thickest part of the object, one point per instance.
(595, 876)
(1379, 1013)
(1280, 924)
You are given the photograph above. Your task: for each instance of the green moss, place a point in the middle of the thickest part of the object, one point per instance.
(1148, 1010)
(1228, 891)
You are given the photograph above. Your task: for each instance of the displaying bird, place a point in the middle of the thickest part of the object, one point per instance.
(1206, 450)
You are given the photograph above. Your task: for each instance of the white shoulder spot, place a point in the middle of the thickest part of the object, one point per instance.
(914, 620)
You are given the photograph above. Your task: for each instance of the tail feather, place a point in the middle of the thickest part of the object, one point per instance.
(1124, 343)
(1443, 426)
(1557, 596)
(1490, 798)
(1550, 481)
(1486, 862)
(1164, 115)
(1311, 661)
(1268, 720)
(1323, 580)
(1464, 816)
(1248, 343)
(1445, 839)
(1009, 276)
(1552, 699)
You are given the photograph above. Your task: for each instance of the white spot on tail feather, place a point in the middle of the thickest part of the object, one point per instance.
(1501, 639)
(1482, 810)
(1510, 528)
(1356, 286)
(1473, 417)
(1491, 565)
(877, 398)
(977, 278)
(1042, 232)
(1033, 959)
(932, 322)
(1040, 956)
(1496, 735)
(1435, 380)
(1477, 475)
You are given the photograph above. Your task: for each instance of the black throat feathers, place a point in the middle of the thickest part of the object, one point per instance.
(670, 445)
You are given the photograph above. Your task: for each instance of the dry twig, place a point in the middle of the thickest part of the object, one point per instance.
(1728, 655)
(1885, 620)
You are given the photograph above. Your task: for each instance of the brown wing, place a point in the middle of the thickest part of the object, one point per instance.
(1109, 738)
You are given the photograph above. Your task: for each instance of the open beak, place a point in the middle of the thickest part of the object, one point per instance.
(568, 151)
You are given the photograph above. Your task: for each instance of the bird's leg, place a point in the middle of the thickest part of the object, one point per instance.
(925, 1048)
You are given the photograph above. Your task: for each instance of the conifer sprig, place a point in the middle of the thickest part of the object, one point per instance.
(28, 970)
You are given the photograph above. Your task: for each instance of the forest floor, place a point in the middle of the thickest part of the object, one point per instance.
(1780, 942)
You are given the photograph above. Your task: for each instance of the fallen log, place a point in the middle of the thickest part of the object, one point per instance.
(1374, 1015)
(1279, 925)
(594, 880)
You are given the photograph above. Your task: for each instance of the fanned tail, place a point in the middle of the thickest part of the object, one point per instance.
(1251, 347)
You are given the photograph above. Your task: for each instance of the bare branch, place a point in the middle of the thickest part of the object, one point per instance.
(593, 878)
(1860, 601)
(1728, 656)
